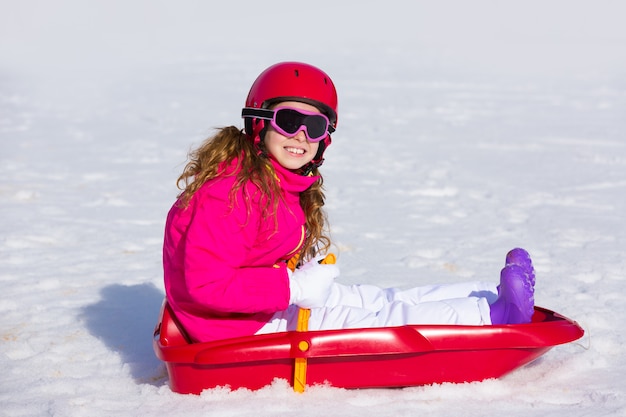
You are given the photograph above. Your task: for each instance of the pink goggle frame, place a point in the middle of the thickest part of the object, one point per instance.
(288, 121)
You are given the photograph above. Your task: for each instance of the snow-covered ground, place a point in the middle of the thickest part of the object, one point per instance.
(466, 128)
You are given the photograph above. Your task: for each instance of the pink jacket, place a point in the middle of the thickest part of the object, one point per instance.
(224, 267)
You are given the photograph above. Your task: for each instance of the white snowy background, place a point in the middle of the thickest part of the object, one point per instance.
(466, 128)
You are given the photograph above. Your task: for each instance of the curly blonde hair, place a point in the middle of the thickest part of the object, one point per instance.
(231, 144)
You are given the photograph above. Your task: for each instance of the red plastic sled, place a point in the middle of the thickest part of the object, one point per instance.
(359, 358)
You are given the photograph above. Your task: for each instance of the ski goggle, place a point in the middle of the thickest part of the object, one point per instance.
(288, 121)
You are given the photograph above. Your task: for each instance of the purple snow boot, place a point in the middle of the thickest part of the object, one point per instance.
(516, 297)
(519, 256)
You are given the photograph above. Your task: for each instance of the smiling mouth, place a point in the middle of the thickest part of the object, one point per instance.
(296, 151)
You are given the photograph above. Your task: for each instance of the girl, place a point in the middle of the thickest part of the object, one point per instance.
(252, 200)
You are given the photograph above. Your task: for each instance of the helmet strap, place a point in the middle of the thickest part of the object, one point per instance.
(316, 162)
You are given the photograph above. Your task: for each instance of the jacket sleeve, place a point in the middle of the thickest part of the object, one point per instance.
(219, 238)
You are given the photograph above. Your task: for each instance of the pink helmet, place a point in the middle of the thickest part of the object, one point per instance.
(292, 81)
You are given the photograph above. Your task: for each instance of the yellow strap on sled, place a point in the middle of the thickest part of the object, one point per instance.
(299, 370)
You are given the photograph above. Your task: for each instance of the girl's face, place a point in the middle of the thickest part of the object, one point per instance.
(291, 152)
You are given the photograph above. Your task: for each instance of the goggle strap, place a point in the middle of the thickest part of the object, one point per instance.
(265, 114)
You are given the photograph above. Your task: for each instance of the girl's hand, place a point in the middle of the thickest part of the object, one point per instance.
(310, 284)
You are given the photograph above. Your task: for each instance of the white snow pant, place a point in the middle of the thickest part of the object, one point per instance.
(364, 306)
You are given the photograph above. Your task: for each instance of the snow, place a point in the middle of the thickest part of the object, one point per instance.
(466, 129)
